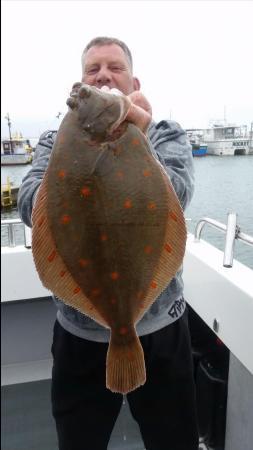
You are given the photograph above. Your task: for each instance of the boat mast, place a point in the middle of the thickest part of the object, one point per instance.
(7, 117)
(251, 135)
(224, 116)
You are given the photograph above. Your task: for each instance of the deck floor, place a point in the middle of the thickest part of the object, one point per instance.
(27, 423)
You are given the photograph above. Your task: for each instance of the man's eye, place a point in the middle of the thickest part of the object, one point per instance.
(116, 68)
(92, 71)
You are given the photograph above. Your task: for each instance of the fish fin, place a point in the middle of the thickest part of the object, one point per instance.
(174, 241)
(52, 270)
(172, 253)
(125, 365)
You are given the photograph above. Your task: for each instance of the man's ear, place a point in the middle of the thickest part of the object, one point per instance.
(137, 84)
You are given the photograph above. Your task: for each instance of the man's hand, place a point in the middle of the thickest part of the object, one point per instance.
(138, 99)
(140, 112)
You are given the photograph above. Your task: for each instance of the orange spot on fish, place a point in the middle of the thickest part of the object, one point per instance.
(113, 301)
(62, 273)
(130, 355)
(128, 204)
(173, 216)
(62, 173)
(83, 262)
(40, 221)
(140, 295)
(85, 191)
(95, 292)
(61, 140)
(123, 331)
(120, 174)
(135, 141)
(52, 255)
(168, 248)
(117, 150)
(114, 275)
(65, 219)
(76, 290)
(151, 205)
(153, 284)
(103, 237)
(148, 249)
(146, 173)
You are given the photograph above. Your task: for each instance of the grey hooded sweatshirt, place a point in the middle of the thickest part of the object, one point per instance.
(170, 145)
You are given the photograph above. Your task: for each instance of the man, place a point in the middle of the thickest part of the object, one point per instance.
(164, 407)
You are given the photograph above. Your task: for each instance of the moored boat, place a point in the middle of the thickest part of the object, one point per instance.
(226, 140)
(223, 139)
(198, 148)
(16, 150)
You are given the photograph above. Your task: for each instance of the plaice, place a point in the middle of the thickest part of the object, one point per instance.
(108, 230)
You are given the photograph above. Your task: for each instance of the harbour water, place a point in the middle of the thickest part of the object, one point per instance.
(223, 184)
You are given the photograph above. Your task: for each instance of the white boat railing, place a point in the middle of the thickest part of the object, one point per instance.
(11, 225)
(232, 231)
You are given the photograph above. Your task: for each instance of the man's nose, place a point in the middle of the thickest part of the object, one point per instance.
(104, 75)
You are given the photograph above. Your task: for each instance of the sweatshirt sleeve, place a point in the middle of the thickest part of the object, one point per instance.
(33, 179)
(174, 151)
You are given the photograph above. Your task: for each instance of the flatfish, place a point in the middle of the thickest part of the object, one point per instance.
(108, 230)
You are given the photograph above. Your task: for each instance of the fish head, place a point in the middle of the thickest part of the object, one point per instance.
(99, 112)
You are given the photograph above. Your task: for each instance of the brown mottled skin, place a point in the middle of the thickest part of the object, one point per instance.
(113, 172)
(108, 205)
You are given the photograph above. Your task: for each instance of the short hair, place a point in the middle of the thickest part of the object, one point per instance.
(103, 40)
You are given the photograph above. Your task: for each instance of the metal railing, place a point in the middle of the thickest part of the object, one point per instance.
(232, 231)
(11, 225)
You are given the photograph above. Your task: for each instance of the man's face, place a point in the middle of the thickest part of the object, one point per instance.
(108, 65)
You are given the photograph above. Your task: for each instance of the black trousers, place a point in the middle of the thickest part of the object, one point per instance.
(85, 411)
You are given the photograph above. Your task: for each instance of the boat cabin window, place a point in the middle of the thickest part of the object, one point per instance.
(229, 132)
(7, 148)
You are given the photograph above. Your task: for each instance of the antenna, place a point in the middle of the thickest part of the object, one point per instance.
(7, 117)
(225, 119)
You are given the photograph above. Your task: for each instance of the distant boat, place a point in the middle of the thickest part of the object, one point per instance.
(224, 139)
(198, 149)
(16, 150)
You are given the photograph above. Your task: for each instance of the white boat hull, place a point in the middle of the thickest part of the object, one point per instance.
(227, 147)
(16, 159)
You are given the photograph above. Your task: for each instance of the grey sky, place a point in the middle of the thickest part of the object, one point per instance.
(193, 58)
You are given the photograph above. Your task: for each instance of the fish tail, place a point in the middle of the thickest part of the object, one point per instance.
(125, 365)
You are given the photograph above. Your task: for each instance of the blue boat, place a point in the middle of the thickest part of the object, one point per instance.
(199, 150)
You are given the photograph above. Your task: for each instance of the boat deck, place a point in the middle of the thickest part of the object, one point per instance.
(27, 411)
